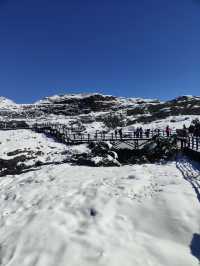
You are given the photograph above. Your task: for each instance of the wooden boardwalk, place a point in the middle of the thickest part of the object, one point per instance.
(63, 135)
(74, 135)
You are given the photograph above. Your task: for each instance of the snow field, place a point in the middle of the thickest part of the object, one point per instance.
(27, 140)
(69, 215)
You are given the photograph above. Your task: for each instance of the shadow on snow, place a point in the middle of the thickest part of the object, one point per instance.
(195, 246)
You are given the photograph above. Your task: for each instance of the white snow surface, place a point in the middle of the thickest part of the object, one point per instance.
(174, 122)
(141, 215)
(4, 102)
(45, 149)
(134, 102)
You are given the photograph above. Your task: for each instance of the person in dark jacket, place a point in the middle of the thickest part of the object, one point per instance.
(185, 131)
(141, 132)
(137, 132)
(120, 133)
(147, 133)
(116, 133)
(167, 130)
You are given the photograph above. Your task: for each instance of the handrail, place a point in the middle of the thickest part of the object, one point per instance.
(61, 131)
(73, 135)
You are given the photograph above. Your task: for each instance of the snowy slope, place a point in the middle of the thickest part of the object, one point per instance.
(174, 122)
(4, 102)
(133, 215)
(32, 144)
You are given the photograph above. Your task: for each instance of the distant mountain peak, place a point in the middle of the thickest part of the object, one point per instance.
(4, 102)
(72, 96)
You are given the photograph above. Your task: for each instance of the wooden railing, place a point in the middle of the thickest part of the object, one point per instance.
(74, 135)
(63, 134)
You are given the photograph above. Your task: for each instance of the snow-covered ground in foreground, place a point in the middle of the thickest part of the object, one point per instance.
(69, 215)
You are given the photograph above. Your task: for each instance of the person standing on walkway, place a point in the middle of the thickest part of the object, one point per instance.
(115, 133)
(147, 133)
(167, 130)
(120, 133)
(141, 132)
(137, 132)
(185, 131)
(96, 135)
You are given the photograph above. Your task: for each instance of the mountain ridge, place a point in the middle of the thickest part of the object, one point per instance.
(98, 110)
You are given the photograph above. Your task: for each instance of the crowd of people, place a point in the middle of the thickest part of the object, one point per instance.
(140, 132)
(137, 133)
(193, 129)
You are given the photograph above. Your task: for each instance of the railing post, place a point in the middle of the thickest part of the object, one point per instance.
(182, 143)
(189, 142)
(197, 143)
(192, 142)
(88, 137)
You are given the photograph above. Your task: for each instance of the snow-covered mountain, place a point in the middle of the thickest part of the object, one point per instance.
(4, 102)
(94, 110)
(55, 213)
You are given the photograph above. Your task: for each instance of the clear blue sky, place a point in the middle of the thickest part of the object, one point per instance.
(147, 48)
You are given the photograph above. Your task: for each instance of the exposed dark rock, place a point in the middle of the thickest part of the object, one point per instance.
(155, 150)
(83, 159)
(12, 166)
(99, 148)
(114, 120)
(108, 162)
(100, 155)
(13, 124)
(161, 149)
(16, 152)
(136, 111)
(93, 212)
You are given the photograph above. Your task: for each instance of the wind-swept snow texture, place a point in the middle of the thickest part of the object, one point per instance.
(142, 215)
(26, 141)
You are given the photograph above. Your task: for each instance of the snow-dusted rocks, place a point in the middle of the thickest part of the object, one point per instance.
(23, 149)
(95, 109)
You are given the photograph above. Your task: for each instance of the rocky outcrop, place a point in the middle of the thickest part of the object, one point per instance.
(13, 166)
(156, 150)
(95, 107)
(184, 105)
(100, 154)
(13, 124)
(77, 104)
